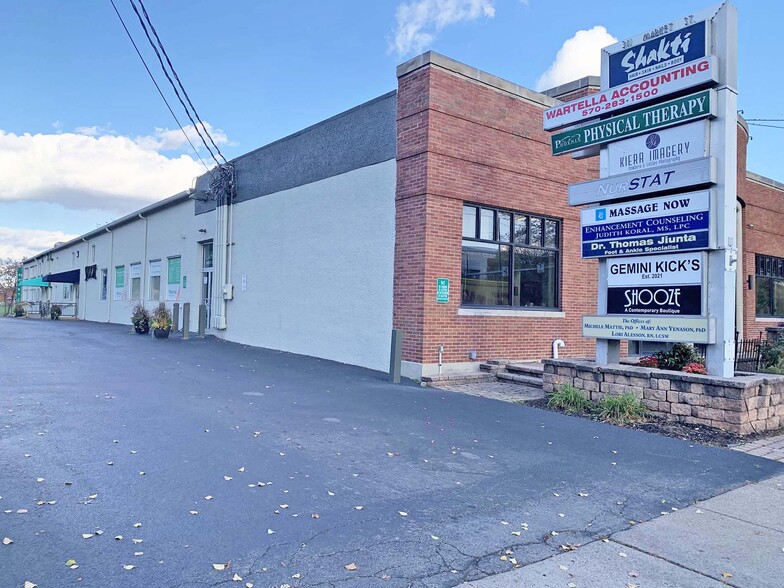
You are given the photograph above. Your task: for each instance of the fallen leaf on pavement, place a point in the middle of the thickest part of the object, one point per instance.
(29, 584)
(208, 498)
(70, 562)
(7, 541)
(270, 532)
(128, 567)
(137, 525)
(236, 577)
(194, 512)
(402, 514)
(227, 478)
(726, 575)
(221, 566)
(351, 567)
(315, 515)
(87, 535)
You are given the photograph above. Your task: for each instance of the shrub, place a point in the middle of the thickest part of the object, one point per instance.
(779, 371)
(678, 356)
(694, 368)
(569, 399)
(161, 318)
(648, 361)
(621, 409)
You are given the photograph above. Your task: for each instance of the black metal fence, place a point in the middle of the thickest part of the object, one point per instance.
(750, 355)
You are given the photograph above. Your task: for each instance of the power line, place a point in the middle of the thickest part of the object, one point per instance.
(768, 126)
(171, 82)
(171, 67)
(157, 87)
(765, 119)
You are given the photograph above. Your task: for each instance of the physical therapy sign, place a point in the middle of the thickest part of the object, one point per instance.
(699, 73)
(666, 114)
(653, 225)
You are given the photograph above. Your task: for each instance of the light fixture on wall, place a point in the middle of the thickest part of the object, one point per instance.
(750, 282)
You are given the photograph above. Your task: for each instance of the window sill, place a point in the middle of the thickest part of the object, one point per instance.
(519, 312)
(769, 319)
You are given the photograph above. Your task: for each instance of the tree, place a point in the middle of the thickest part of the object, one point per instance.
(8, 278)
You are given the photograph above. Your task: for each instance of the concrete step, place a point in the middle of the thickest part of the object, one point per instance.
(533, 368)
(524, 380)
(490, 367)
(460, 378)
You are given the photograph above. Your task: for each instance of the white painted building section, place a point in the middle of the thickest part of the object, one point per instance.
(318, 265)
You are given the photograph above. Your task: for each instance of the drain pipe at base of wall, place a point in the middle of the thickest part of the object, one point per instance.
(440, 358)
(556, 344)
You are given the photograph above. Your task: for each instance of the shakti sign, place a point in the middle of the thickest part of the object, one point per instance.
(654, 225)
(662, 48)
(657, 86)
(666, 114)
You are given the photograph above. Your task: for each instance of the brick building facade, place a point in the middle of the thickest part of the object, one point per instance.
(465, 137)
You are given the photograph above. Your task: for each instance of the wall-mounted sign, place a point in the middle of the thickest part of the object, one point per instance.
(442, 290)
(664, 147)
(655, 87)
(666, 114)
(651, 328)
(656, 285)
(680, 175)
(654, 225)
(657, 50)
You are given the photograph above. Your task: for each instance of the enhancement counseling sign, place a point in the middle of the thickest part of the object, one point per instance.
(653, 225)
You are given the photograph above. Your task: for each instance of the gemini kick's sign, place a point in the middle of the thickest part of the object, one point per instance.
(656, 284)
(666, 114)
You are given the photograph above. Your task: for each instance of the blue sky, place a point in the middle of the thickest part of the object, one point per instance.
(100, 141)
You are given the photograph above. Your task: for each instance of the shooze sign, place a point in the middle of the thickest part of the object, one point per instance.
(680, 175)
(662, 48)
(653, 225)
(666, 114)
(656, 284)
(651, 328)
(660, 85)
(664, 147)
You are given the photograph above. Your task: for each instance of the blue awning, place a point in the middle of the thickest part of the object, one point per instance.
(69, 277)
(39, 281)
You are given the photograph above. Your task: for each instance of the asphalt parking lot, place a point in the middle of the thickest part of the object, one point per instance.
(146, 462)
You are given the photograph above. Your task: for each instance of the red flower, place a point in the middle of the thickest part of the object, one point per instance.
(695, 368)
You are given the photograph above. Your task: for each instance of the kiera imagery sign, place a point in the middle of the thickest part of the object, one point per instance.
(667, 114)
(663, 147)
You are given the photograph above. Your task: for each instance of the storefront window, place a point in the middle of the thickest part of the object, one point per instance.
(769, 283)
(509, 259)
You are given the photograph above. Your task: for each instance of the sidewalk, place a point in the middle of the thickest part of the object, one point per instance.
(734, 539)
(769, 448)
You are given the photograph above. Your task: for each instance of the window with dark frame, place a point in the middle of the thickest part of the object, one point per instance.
(769, 285)
(509, 259)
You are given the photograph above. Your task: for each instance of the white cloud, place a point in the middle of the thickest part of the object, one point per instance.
(19, 243)
(420, 20)
(95, 169)
(174, 139)
(578, 57)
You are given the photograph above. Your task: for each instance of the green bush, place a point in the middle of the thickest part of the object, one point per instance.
(678, 356)
(774, 369)
(569, 399)
(621, 409)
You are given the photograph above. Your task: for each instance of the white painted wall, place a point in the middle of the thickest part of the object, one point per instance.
(170, 232)
(319, 265)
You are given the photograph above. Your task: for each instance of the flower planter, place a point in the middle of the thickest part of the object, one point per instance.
(161, 333)
(142, 328)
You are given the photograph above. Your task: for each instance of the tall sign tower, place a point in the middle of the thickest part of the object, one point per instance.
(661, 219)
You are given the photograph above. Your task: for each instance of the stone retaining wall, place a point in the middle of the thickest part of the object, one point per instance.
(745, 404)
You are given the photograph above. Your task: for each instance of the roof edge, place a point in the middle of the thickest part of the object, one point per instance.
(765, 180)
(437, 60)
